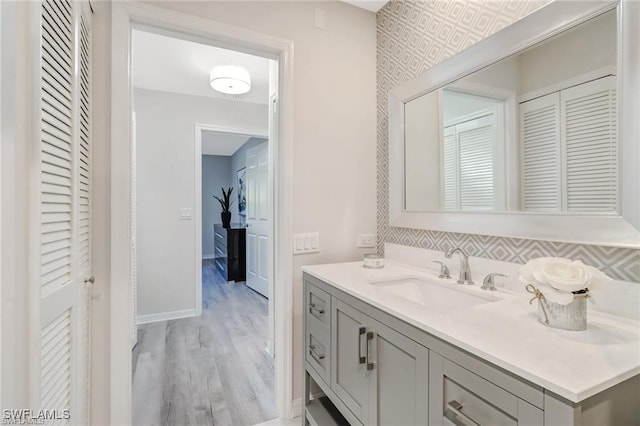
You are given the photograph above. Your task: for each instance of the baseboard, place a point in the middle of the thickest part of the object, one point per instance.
(165, 316)
(296, 408)
(208, 256)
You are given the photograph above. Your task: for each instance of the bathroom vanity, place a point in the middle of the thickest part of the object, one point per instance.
(380, 352)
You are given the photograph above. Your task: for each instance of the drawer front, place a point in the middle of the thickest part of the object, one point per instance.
(221, 264)
(460, 397)
(318, 306)
(220, 234)
(221, 249)
(318, 354)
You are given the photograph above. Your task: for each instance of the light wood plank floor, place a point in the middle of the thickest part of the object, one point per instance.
(211, 370)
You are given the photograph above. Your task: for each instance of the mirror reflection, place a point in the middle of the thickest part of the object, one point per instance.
(535, 132)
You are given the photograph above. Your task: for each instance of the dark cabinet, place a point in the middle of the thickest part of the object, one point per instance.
(231, 251)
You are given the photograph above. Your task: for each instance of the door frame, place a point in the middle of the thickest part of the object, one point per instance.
(125, 16)
(199, 128)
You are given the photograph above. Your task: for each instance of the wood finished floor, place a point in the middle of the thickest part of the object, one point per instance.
(210, 370)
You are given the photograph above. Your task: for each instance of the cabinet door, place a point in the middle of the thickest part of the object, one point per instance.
(398, 380)
(349, 378)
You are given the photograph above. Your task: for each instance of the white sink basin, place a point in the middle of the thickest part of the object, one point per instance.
(442, 297)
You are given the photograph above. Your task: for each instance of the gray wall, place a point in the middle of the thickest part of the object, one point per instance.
(238, 161)
(216, 173)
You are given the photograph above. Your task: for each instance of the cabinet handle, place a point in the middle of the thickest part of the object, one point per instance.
(455, 416)
(312, 307)
(370, 360)
(361, 333)
(313, 353)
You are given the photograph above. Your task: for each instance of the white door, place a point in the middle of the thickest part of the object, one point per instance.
(258, 218)
(61, 227)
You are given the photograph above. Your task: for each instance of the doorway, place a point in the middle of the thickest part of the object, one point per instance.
(280, 180)
(202, 334)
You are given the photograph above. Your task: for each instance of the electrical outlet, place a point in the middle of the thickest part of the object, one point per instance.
(366, 240)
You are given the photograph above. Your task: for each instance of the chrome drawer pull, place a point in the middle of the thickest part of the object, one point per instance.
(455, 416)
(361, 333)
(312, 307)
(313, 353)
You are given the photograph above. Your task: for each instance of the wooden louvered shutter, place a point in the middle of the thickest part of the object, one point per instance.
(541, 155)
(589, 136)
(62, 228)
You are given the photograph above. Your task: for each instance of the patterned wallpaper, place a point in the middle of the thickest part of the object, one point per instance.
(412, 36)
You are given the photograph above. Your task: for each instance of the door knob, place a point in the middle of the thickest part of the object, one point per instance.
(91, 280)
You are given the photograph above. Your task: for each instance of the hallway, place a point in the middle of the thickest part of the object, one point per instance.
(207, 370)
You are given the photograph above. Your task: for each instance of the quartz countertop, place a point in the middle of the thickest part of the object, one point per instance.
(572, 364)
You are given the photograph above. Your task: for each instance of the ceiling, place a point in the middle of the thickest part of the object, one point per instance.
(174, 65)
(215, 143)
(370, 5)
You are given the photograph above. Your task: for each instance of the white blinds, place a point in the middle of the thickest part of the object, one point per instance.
(569, 149)
(468, 164)
(450, 167)
(475, 144)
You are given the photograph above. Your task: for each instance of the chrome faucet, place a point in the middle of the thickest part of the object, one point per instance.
(465, 270)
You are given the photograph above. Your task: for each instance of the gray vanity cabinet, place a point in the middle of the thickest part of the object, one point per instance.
(375, 369)
(378, 373)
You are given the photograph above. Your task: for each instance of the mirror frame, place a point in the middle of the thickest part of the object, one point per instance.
(584, 228)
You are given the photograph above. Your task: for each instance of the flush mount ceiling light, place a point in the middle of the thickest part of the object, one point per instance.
(230, 79)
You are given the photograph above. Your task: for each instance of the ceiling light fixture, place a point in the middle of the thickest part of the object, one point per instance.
(230, 79)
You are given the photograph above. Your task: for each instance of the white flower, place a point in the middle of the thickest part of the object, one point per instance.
(558, 278)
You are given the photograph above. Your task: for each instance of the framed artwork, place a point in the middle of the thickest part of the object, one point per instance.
(242, 191)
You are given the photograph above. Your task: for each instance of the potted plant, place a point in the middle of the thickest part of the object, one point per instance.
(225, 203)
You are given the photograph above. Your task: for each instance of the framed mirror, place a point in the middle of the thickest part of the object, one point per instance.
(530, 133)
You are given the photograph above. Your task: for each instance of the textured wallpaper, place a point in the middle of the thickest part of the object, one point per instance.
(413, 36)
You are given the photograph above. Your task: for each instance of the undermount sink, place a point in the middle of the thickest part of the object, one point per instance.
(442, 297)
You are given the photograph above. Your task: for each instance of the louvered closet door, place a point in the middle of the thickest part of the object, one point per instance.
(541, 155)
(589, 130)
(61, 374)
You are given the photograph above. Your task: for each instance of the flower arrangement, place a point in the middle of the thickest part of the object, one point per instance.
(561, 287)
(561, 279)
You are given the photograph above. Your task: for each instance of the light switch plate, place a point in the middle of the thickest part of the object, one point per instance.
(366, 240)
(306, 243)
(185, 214)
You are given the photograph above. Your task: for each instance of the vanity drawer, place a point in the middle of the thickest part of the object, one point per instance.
(462, 398)
(318, 354)
(318, 306)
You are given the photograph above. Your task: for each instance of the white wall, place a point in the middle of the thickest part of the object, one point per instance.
(592, 46)
(334, 122)
(216, 173)
(165, 124)
(422, 147)
(15, 125)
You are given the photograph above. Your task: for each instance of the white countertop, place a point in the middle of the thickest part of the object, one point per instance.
(572, 364)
